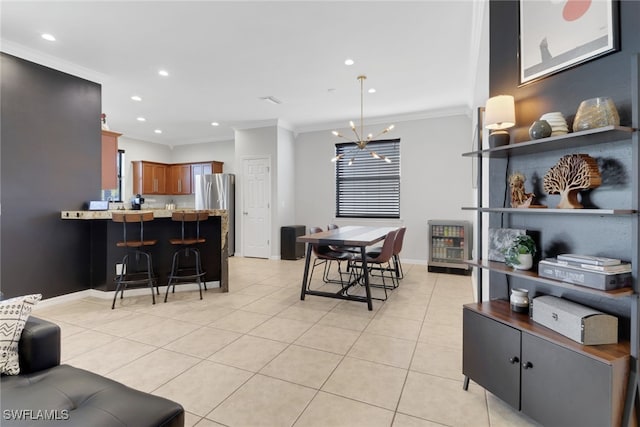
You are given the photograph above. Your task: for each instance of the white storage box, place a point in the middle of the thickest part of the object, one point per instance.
(582, 324)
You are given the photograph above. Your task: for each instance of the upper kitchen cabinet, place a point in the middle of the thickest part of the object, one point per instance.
(109, 159)
(149, 178)
(179, 179)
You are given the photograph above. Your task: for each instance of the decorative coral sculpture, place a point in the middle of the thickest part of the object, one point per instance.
(572, 173)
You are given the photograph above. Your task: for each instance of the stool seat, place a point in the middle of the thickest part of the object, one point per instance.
(130, 271)
(187, 247)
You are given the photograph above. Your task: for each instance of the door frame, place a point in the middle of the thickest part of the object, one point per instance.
(241, 211)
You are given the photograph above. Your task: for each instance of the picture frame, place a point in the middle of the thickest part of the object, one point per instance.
(555, 36)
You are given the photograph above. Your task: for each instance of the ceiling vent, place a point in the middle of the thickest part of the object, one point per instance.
(271, 99)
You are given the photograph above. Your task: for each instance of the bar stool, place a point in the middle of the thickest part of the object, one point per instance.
(187, 246)
(130, 273)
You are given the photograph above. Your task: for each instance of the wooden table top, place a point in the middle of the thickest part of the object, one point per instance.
(351, 235)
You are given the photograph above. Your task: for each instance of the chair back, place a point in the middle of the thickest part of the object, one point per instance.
(128, 218)
(332, 227)
(387, 248)
(317, 249)
(397, 244)
(190, 216)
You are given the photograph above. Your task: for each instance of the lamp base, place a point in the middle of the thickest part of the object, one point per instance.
(498, 138)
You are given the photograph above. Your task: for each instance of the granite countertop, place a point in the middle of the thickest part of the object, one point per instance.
(157, 213)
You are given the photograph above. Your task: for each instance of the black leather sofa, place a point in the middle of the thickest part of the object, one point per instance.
(49, 394)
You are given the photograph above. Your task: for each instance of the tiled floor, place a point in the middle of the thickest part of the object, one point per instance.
(258, 356)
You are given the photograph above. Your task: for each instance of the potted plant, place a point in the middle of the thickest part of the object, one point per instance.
(519, 254)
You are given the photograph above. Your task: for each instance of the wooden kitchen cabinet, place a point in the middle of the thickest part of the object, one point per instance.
(149, 178)
(109, 160)
(179, 179)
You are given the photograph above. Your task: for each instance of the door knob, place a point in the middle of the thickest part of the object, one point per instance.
(514, 360)
(527, 365)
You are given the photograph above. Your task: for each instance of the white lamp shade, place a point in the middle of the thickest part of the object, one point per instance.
(500, 112)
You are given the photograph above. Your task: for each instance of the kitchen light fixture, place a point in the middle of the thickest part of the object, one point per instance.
(361, 142)
(163, 73)
(215, 124)
(141, 119)
(349, 61)
(48, 37)
(499, 115)
(158, 131)
(136, 98)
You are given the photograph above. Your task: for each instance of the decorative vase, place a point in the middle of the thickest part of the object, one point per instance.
(526, 262)
(540, 129)
(519, 300)
(596, 113)
(557, 121)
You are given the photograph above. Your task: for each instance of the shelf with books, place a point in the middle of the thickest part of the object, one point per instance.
(533, 275)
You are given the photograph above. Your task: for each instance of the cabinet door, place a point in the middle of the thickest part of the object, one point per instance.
(491, 356)
(148, 179)
(160, 176)
(180, 179)
(109, 160)
(564, 388)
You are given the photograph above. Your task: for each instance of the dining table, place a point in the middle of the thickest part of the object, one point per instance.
(352, 236)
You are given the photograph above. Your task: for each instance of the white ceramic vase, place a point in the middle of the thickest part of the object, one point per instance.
(526, 262)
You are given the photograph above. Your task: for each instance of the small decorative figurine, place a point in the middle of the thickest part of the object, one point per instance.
(572, 173)
(519, 197)
(103, 122)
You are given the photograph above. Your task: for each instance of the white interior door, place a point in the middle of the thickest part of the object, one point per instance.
(256, 191)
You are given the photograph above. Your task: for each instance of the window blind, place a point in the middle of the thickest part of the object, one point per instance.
(369, 187)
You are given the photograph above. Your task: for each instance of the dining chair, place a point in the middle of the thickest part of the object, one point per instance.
(397, 248)
(326, 255)
(377, 261)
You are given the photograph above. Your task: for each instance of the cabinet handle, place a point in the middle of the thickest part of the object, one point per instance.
(179, 186)
(514, 360)
(527, 365)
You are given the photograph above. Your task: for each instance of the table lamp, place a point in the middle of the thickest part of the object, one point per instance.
(499, 115)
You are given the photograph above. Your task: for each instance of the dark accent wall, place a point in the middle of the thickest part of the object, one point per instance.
(609, 75)
(50, 161)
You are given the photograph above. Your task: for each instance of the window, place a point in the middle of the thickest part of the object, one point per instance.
(369, 187)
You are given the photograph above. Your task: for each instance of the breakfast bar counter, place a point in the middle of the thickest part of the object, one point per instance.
(104, 255)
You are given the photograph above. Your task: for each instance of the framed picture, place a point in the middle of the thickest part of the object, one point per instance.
(499, 241)
(556, 35)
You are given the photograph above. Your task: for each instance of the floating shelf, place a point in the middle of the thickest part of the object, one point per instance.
(570, 140)
(529, 211)
(533, 275)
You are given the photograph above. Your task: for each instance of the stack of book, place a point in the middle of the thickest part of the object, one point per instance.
(590, 271)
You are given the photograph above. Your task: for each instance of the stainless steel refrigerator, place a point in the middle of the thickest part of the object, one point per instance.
(217, 191)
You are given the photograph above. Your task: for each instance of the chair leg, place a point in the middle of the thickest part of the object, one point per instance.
(172, 274)
(150, 275)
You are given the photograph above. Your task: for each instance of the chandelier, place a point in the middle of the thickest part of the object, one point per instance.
(360, 141)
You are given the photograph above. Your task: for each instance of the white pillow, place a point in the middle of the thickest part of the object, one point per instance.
(14, 313)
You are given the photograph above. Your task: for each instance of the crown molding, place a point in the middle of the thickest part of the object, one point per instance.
(50, 61)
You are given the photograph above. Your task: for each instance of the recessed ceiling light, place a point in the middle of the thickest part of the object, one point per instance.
(163, 73)
(158, 131)
(215, 124)
(136, 98)
(48, 37)
(349, 61)
(372, 90)
(141, 119)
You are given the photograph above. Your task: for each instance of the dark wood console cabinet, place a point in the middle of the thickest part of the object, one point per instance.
(550, 379)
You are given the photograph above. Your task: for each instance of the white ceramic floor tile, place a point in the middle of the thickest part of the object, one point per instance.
(330, 410)
(280, 329)
(381, 349)
(402, 420)
(395, 327)
(240, 321)
(250, 353)
(367, 382)
(204, 386)
(304, 366)
(328, 338)
(203, 342)
(263, 401)
(110, 357)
